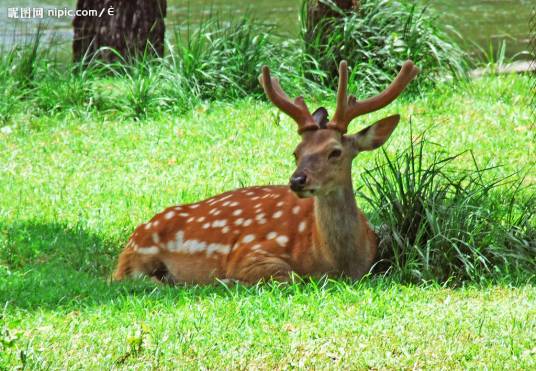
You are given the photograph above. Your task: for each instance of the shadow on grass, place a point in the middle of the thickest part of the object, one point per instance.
(47, 264)
(53, 266)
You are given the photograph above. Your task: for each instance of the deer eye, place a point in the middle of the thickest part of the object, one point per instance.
(335, 153)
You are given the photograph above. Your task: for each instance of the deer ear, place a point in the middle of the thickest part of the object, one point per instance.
(321, 117)
(375, 135)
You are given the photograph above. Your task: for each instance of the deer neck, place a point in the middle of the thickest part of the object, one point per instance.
(338, 230)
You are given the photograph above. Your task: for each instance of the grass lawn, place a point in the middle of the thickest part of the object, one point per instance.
(74, 185)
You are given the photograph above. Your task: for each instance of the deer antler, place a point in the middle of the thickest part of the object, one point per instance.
(297, 110)
(349, 108)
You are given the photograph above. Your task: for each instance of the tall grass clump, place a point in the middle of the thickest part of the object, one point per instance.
(18, 66)
(440, 224)
(219, 59)
(376, 39)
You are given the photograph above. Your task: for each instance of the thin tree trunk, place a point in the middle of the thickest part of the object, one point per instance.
(321, 20)
(131, 27)
(318, 10)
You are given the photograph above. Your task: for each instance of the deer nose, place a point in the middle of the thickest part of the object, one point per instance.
(297, 182)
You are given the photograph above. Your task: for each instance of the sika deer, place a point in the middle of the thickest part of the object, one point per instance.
(313, 227)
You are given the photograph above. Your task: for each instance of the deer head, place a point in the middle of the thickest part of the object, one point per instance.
(325, 154)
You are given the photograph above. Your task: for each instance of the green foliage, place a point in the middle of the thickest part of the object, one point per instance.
(376, 40)
(73, 187)
(221, 60)
(439, 222)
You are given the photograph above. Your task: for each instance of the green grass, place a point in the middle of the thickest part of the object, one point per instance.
(74, 184)
(376, 40)
(336, 325)
(220, 59)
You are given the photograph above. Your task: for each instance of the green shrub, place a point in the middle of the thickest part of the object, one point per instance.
(441, 223)
(376, 40)
(220, 60)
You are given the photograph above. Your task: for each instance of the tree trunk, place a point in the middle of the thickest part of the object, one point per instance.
(318, 10)
(322, 16)
(130, 27)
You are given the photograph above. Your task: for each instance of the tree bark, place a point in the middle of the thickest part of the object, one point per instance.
(320, 23)
(130, 27)
(318, 10)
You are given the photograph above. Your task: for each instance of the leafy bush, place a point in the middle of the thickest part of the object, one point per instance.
(220, 60)
(375, 40)
(439, 223)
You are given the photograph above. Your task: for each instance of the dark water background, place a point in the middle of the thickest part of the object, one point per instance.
(481, 23)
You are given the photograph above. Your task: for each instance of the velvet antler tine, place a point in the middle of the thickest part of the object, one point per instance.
(297, 110)
(349, 108)
(342, 97)
(404, 77)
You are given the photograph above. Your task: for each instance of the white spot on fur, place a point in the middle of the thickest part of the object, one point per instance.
(258, 206)
(155, 224)
(219, 223)
(147, 226)
(184, 215)
(271, 235)
(233, 204)
(211, 212)
(176, 245)
(226, 203)
(256, 247)
(190, 219)
(225, 197)
(261, 221)
(248, 222)
(248, 238)
(239, 221)
(156, 238)
(260, 216)
(282, 240)
(225, 229)
(169, 215)
(295, 210)
(277, 214)
(218, 248)
(151, 250)
(237, 212)
(301, 227)
(206, 225)
(255, 198)
(250, 193)
(178, 208)
(194, 246)
(279, 204)
(201, 219)
(195, 206)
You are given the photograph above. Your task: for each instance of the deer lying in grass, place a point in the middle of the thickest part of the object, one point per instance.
(313, 227)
